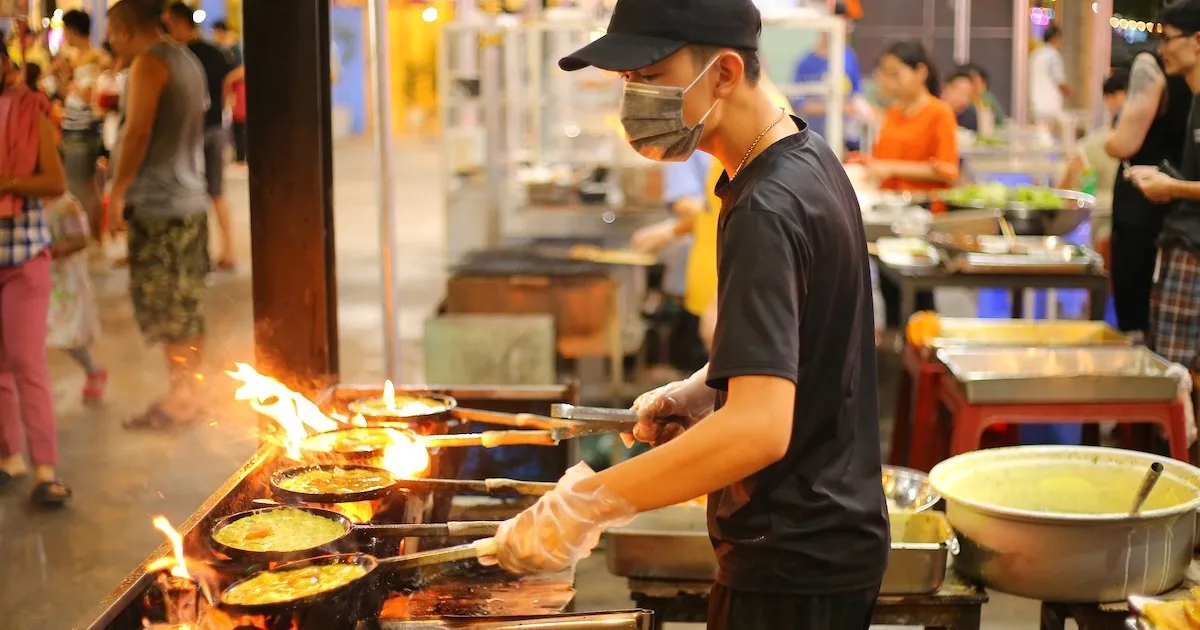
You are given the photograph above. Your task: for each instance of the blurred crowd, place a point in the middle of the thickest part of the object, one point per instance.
(114, 155)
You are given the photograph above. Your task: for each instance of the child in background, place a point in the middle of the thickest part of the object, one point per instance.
(74, 316)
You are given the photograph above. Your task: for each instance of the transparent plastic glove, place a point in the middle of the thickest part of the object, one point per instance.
(1184, 394)
(690, 399)
(560, 529)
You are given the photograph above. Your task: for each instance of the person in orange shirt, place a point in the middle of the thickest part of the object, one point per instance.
(917, 149)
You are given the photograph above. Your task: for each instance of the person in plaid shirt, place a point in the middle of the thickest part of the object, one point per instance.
(1175, 303)
(30, 168)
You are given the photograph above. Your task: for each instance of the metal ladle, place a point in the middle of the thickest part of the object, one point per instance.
(1148, 482)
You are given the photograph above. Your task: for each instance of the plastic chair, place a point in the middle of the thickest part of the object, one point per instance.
(970, 419)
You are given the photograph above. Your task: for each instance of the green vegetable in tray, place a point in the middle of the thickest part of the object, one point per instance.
(1001, 196)
(978, 195)
(1038, 197)
(990, 141)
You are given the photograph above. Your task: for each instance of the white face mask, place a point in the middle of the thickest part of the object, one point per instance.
(652, 116)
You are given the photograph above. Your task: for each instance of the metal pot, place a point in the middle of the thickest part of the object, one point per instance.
(1053, 553)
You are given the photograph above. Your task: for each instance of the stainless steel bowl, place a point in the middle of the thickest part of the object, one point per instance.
(908, 489)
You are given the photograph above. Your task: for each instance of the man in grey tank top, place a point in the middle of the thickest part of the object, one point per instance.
(159, 190)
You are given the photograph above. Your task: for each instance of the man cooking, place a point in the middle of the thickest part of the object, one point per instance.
(790, 456)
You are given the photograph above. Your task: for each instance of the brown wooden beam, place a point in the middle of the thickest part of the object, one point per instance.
(290, 151)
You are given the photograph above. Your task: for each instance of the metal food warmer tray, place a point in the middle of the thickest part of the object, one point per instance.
(1060, 375)
(974, 332)
(990, 254)
(464, 595)
(672, 544)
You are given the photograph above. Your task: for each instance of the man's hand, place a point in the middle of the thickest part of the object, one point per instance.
(562, 528)
(652, 238)
(1157, 186)
(688, 208)
(687, 402)
(116, 211)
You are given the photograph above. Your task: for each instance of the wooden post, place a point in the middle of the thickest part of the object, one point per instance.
(290, 150)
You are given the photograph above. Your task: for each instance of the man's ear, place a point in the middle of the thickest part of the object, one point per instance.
(731, 71)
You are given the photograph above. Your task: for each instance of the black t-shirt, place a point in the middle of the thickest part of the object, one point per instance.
(216, 67)
(1181, 226)
(794, 301)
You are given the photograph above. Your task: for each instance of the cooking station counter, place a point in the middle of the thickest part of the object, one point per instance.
(462, 594)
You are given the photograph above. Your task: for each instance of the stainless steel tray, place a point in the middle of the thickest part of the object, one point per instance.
(667, 544)
(1060, 375)
(957, 332)
(673, 544)
(1021, 263)
(907, 253)
(1022, 254)
(921, 546)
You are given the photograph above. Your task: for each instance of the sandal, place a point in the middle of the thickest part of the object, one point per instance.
(93, 388)
(226, 265)
(153, 418)
(51, 494)
(7, 479)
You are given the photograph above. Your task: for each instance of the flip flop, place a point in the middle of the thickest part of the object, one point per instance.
(153, 418)
(7, 479)
(51, 494)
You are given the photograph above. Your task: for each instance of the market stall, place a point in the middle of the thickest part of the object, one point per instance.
(376, 493)
(194, 583)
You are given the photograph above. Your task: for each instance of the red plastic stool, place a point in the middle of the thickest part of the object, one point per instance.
(970, 420)
(916, 406)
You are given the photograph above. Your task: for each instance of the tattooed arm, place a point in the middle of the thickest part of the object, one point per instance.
(1142, 105)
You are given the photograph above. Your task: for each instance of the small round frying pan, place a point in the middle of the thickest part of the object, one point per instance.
(389, 483)
(368, 563)
(351, 535)
(352, 444)
(373, 413)
(478, 549)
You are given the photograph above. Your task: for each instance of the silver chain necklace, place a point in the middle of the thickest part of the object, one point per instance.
(782, 113)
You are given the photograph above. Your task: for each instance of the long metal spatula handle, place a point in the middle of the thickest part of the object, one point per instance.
(453, 528)
(482, 548)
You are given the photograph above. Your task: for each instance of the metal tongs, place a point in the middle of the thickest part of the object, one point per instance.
(568, 422)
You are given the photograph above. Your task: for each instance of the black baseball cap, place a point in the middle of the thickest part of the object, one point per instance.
(644, 32)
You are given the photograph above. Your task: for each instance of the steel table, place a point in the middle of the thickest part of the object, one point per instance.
(912, 281)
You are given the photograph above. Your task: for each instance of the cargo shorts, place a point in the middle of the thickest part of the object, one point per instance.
(168, 268)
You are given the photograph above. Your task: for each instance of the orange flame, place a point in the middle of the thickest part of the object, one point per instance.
(357, 511)
(297, 416)
(294, 413)
(389, 395)
(178, 564)
(405, 457)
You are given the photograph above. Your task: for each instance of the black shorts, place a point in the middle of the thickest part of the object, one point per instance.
(729, 609)
(214, 160)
